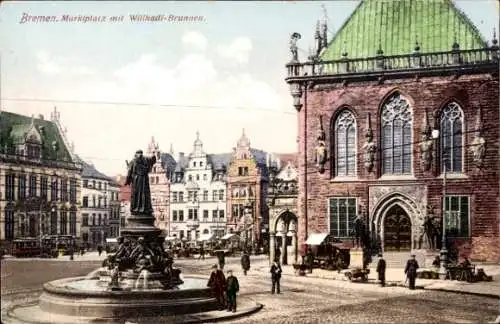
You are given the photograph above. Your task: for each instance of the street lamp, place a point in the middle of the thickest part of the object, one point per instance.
(443, 252)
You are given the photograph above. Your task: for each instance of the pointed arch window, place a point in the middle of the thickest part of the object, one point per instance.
(396, 146)
(345, 144)
(451, 137)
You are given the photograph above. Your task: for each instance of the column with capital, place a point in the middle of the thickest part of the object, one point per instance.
(294, 246)
(283, 260)
(272, 247)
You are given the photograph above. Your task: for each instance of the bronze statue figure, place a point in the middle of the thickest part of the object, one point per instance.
(320, 156)
(293, 46)
(138, 179)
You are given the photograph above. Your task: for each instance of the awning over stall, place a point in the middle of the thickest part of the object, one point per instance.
(316, 238)
(229, 236)
(170, 238)
(205, 237)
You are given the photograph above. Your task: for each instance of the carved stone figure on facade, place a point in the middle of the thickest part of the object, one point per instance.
(321, 152)
(478, 150)
(369, 149)
(293, 46)
(429, 233)
(426, 147)
(360, 232)
(137, 178)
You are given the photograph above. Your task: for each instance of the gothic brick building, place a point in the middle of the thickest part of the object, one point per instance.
(399, 113)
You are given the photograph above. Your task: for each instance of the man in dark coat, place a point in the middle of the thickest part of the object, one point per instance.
(245, 262)
(217, 282)
(381, 265)
(275, 277)
(222, 259)
(232, 287)
(310, 260)
(411, 271)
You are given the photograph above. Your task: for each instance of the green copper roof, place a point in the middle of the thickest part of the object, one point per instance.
(14, 127)
(396, 25)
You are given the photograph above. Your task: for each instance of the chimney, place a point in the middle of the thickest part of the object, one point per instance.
(40, 117)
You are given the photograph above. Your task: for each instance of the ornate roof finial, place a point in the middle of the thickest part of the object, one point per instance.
(197, 134)
(171, 149)
(417, 45)
(494, 41)
(324, 36)
(344, 50)
(32, 120)
(380, 51)
(455, 45)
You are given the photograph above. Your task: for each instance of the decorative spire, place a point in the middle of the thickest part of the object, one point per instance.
(425, 124)
(479, 121)
(171, 151)
(494, 41)
(416, 50)
(198, 135)
(317, 38)
(344, 50)
(324, 27)
(455, 46)
(32, 120)
(54, 116)
(369, 131)
(380, 51)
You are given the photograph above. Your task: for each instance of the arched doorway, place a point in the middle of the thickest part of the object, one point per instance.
(397, 230)
(283, 238)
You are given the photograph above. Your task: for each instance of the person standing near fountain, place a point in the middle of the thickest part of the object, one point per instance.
(232, 287)
(217, 282)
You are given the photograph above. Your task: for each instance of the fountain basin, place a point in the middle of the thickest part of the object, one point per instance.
(81, 296)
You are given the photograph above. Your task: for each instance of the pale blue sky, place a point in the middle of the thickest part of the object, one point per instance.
(235, 57)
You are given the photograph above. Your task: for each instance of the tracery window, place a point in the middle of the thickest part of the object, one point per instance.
(451, 137)
(396, 146)
(345, 144)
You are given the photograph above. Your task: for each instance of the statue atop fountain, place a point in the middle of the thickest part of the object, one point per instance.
(146, 253)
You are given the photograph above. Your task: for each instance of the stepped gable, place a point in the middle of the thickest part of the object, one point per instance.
(395, 27)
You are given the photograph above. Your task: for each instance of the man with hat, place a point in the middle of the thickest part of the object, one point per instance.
(381, 265)
(411, 271)
(232, 287)
(217, 282)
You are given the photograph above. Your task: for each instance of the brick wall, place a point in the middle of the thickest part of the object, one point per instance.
(470, 92)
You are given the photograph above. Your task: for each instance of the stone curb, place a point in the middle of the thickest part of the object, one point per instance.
(461, 292)
(398, 284)
(222, 318)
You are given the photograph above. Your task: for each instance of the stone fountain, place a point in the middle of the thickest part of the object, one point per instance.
(138, 281)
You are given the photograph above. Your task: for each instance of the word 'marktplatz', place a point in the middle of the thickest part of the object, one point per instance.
(27, 18)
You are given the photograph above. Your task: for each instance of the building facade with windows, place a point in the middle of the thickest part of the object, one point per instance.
(39, 178)
(247, 191)
(159, 183)
(398, 124)
(198, 194)
(100, 208)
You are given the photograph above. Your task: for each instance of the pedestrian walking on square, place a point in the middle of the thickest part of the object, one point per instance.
(202, 253)
(245, 262)
(222, 259)
(411, 271)
(275, 277)
(310, 260)
(99, 249)
(381, 265)
(232, 287)
(217, 282)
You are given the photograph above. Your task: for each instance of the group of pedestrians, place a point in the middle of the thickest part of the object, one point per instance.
(410, 271)
(224, 288)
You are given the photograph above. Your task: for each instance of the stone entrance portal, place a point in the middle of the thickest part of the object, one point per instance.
(397, 230)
